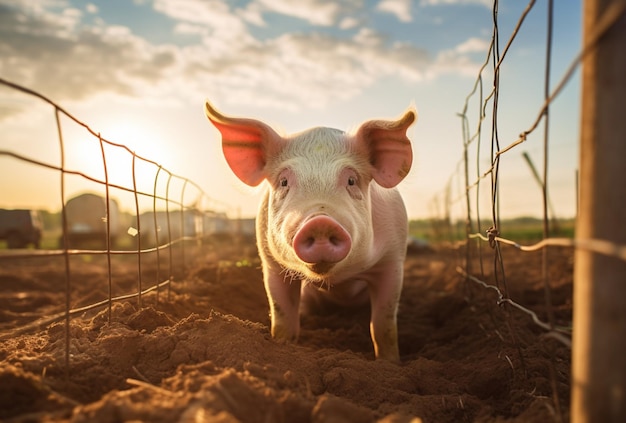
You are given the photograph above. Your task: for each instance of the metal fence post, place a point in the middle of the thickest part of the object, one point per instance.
(599, 335)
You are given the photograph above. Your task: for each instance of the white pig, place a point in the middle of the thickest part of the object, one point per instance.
(331, 226)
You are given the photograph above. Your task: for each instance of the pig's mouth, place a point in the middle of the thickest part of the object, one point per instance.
(320, 284)
(321, 268)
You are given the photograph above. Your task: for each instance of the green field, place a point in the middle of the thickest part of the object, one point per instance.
(522, 229)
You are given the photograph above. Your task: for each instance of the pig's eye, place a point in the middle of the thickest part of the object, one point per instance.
(352, 184)
(285, 179)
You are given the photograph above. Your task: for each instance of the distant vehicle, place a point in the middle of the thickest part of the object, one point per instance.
(416, 245)
(87, 223)
(20, 228)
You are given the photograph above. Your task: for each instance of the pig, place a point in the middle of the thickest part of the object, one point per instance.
(332, 227)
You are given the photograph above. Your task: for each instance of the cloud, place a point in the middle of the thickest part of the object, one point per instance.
(52, 53)
(316, 12)
(214, 16)
(311, 69)
(349, 22)
(50, 49)
(401, 9)
(473, 45)
(486, 3)
(457, 60)
(252, 13)
(217, 14)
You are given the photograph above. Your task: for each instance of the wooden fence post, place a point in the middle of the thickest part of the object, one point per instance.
(599, 334)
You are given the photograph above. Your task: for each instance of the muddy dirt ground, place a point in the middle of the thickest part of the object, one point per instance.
(206, 354)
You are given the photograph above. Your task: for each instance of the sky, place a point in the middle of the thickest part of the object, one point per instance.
(139, 72)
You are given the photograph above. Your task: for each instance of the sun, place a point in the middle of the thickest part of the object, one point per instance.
(129, 158)
(133, 153)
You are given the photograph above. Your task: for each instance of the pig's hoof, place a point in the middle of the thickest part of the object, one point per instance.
(391, 359)
(282, 334)
(392, 355)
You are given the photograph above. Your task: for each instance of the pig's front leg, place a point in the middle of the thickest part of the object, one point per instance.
(384, 297)
(283, 294)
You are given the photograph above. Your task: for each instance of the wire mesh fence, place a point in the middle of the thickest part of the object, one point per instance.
(468, 210)
(169, 221)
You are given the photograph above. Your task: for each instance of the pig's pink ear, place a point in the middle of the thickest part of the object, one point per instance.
(244, 142)
(389, 148)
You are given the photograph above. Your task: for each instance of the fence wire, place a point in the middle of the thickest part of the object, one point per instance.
(462, 191)
(176, 227)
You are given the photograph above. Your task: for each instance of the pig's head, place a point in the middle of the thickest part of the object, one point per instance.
(319, 205)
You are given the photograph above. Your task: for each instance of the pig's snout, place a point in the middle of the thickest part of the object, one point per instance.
(322, 241)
